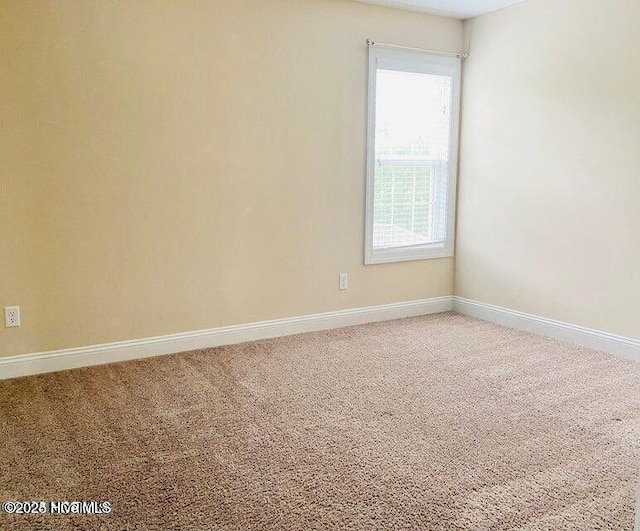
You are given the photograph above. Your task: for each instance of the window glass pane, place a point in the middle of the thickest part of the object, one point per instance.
(412, 151)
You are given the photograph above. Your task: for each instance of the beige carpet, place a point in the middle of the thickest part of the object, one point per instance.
(432, 423)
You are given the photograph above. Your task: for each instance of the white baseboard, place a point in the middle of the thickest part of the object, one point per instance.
(603, 341)
(59, 360)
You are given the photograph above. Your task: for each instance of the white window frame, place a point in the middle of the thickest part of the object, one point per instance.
(416, 62)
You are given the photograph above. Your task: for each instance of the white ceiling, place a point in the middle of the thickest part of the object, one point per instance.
(452, 8)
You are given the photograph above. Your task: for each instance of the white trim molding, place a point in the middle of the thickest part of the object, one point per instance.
(59, 360)
(621, 346)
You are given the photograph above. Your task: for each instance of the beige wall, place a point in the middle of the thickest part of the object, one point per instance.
(549, 201)
(171, 166)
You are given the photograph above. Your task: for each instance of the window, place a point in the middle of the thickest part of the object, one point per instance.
(411, 155)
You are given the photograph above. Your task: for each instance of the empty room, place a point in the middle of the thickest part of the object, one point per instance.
(320, 265)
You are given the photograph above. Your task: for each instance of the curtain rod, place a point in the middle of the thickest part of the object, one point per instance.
(463, 55)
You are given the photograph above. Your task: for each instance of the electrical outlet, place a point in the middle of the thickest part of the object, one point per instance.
(344, 282)
(11, 316)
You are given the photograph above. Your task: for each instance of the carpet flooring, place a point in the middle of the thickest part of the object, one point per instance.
(433, 423)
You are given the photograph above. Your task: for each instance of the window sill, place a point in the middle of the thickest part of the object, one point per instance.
(407, 255)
